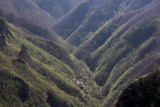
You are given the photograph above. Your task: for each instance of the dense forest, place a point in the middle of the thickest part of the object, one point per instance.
(79, 53)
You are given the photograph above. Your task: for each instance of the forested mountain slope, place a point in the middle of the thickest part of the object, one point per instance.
(28, 15)
(83, 21)
(135, 30)
(57, 8)
(124, 48)
(142, 92)
(118, 40)
(33, 74)
(38, 11)
(28, 10)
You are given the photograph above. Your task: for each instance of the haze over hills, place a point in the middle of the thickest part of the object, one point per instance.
(79, 53)
(34, 17)
(26, 9)
(90, 15)
(38, 11)
(57, 8)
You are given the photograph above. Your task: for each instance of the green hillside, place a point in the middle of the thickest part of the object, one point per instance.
(122, 50)
(82, 22)
(79, 53)
(32, 75)
(144, 92)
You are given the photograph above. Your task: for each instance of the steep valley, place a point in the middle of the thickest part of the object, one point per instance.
(26, 62)
(79, 53)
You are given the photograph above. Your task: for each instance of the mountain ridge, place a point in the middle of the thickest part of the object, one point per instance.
(76, 53)
(41, 72)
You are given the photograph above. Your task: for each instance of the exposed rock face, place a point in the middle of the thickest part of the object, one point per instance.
(24, 54)
(2, 41)
(144, 92)
(3, 32)
(3, 27)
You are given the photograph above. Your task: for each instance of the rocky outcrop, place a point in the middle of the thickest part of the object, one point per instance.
(2, 42)
(4, 31)
(23, 54)
(144, 92)
(3, 27)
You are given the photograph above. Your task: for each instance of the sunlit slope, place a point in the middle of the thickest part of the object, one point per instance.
(31, 76)
(83, 21)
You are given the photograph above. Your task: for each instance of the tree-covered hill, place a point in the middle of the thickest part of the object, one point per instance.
(79, 53)
(33, 74)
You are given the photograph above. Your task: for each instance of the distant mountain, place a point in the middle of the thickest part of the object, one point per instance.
(38, 11)
(27, 10)
(128, 27)
(29, 16)
(83, 21)
(123, 49)
(115, 39)
(68, 24)
(88, 53)
(36, 16)
(57, 8)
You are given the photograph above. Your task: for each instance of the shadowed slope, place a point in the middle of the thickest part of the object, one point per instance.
(143, 92)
